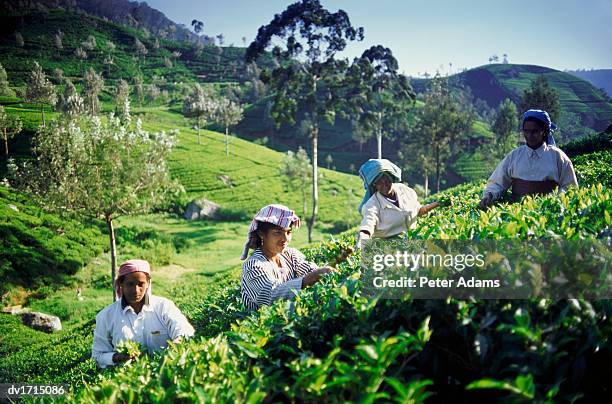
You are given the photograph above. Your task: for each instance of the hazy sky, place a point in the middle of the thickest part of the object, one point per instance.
(427, 35)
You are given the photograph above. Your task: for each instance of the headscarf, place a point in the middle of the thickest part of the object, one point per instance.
(542, 116)
(371, 170)
(129, 267)
(279, 215)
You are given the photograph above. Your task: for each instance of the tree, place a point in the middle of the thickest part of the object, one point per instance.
(19, 39)
(199, 104)
(10, 126)
(305, 85)
(92, 86)
(70, 103)
(57, 40)
(141, 50)
(198, 26)
(5, 88)
(504, 127)
(329, 160)
(40, 90)
(122, 95)
(540, 95)
(228, 113)
(90, 43)
(139, 90)
(295, 168)
(81, 55)
(378, 96)
(99, 168)
(438, 125)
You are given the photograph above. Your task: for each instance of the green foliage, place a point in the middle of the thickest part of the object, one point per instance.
(40, 248)
(504, 127)
(588, 144)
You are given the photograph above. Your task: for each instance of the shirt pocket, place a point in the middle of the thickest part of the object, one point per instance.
(159, 339)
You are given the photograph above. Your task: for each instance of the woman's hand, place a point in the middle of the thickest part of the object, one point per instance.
(313, 277)
(486, 201)
(426, 208)
(121, 357)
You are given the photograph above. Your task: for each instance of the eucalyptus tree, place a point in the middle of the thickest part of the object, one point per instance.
(305, 38)
(378, 96)
(227, 113)
(40, 90)
(201, 105)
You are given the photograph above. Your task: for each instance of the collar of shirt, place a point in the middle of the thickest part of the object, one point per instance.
(537, 153)
(126, 307)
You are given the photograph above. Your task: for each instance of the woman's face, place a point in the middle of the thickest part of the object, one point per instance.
(135, 287)
(383, 185)
(276, 239)
(534, 135)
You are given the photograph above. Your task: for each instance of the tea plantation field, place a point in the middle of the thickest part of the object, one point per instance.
(335, 344)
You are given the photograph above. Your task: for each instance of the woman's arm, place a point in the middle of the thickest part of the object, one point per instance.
(426, 208)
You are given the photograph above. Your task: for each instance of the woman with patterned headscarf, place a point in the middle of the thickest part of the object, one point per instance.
(274, 271)
(137, 316)
(389, 208)
(538, 167)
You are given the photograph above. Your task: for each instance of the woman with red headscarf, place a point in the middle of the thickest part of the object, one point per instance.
(137, 316)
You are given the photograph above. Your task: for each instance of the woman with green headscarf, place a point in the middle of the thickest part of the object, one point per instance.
(389, 208)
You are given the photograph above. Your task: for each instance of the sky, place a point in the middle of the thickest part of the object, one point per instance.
(437, 35)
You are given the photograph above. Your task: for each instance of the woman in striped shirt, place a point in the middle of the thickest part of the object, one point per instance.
(274, 271)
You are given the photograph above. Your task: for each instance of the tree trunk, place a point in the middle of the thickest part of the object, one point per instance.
(437, 158)
(226, 140)
(5, 143)
(113, 250)
(199, 125)
(379, 135)
(426, 183)
(304, 205)
(42, 111)
(315, 180)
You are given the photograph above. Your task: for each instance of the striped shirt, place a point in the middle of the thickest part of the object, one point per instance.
(263, 282)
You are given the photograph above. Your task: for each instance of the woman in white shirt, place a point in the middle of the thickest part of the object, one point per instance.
(538, 167)
(137, 316)
(389, 207)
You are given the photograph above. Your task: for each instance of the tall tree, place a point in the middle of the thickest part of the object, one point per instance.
(139, 90)
(92, 86)
(10, 126)
(197, 26)
(295, 169)
(378, 96)
(540, 95)
(5, 88)
(40, 90)
(505, 126)
(305, 83)
(439, 124)
(228, 113)
(70, 103)
(100, 168)
(200, 104)
(122, 95)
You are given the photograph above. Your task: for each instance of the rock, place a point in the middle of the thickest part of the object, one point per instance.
(13, 207)
(41, 321)
(202, 209)
(226, 180)
(13, 309)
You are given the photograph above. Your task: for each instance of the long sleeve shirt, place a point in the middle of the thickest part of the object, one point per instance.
(545, 163)
(158, 322)
(263, 282)
(382, 218)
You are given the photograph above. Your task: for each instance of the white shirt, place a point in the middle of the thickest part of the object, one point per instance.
(262, 282)
(381, 218)
(157, 322)
(544, 163)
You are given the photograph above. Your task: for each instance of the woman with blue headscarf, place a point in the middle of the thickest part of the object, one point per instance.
(389, 207)
(538, 167)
